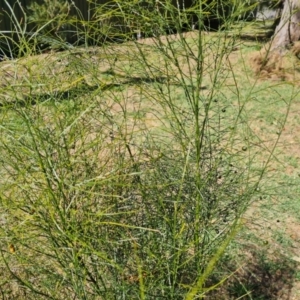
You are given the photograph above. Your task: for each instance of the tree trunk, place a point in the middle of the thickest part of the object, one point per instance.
(288, 30)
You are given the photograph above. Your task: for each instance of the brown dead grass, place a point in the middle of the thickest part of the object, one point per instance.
(276, 66)
(296, 49)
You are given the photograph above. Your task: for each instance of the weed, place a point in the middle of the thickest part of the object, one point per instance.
(126, 169)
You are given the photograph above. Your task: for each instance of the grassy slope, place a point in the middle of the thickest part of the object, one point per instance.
(271, 236)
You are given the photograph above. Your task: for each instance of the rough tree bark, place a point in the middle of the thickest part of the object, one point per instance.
(288, 30)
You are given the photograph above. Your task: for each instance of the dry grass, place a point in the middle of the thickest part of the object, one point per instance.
(275, 66)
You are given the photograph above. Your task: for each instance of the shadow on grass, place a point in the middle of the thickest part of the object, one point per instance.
(79, 90)
(261, 277)
(84, 89)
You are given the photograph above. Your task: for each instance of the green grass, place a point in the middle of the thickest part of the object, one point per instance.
(128, 114)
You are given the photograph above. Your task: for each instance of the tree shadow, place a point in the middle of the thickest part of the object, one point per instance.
(84, 89)
(261, 277)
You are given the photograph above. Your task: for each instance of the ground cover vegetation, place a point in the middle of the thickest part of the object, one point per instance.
(159, 168)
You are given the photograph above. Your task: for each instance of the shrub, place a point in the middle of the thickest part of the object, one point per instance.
(125, 170)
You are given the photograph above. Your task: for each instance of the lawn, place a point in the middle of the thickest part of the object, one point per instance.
(128, 170)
